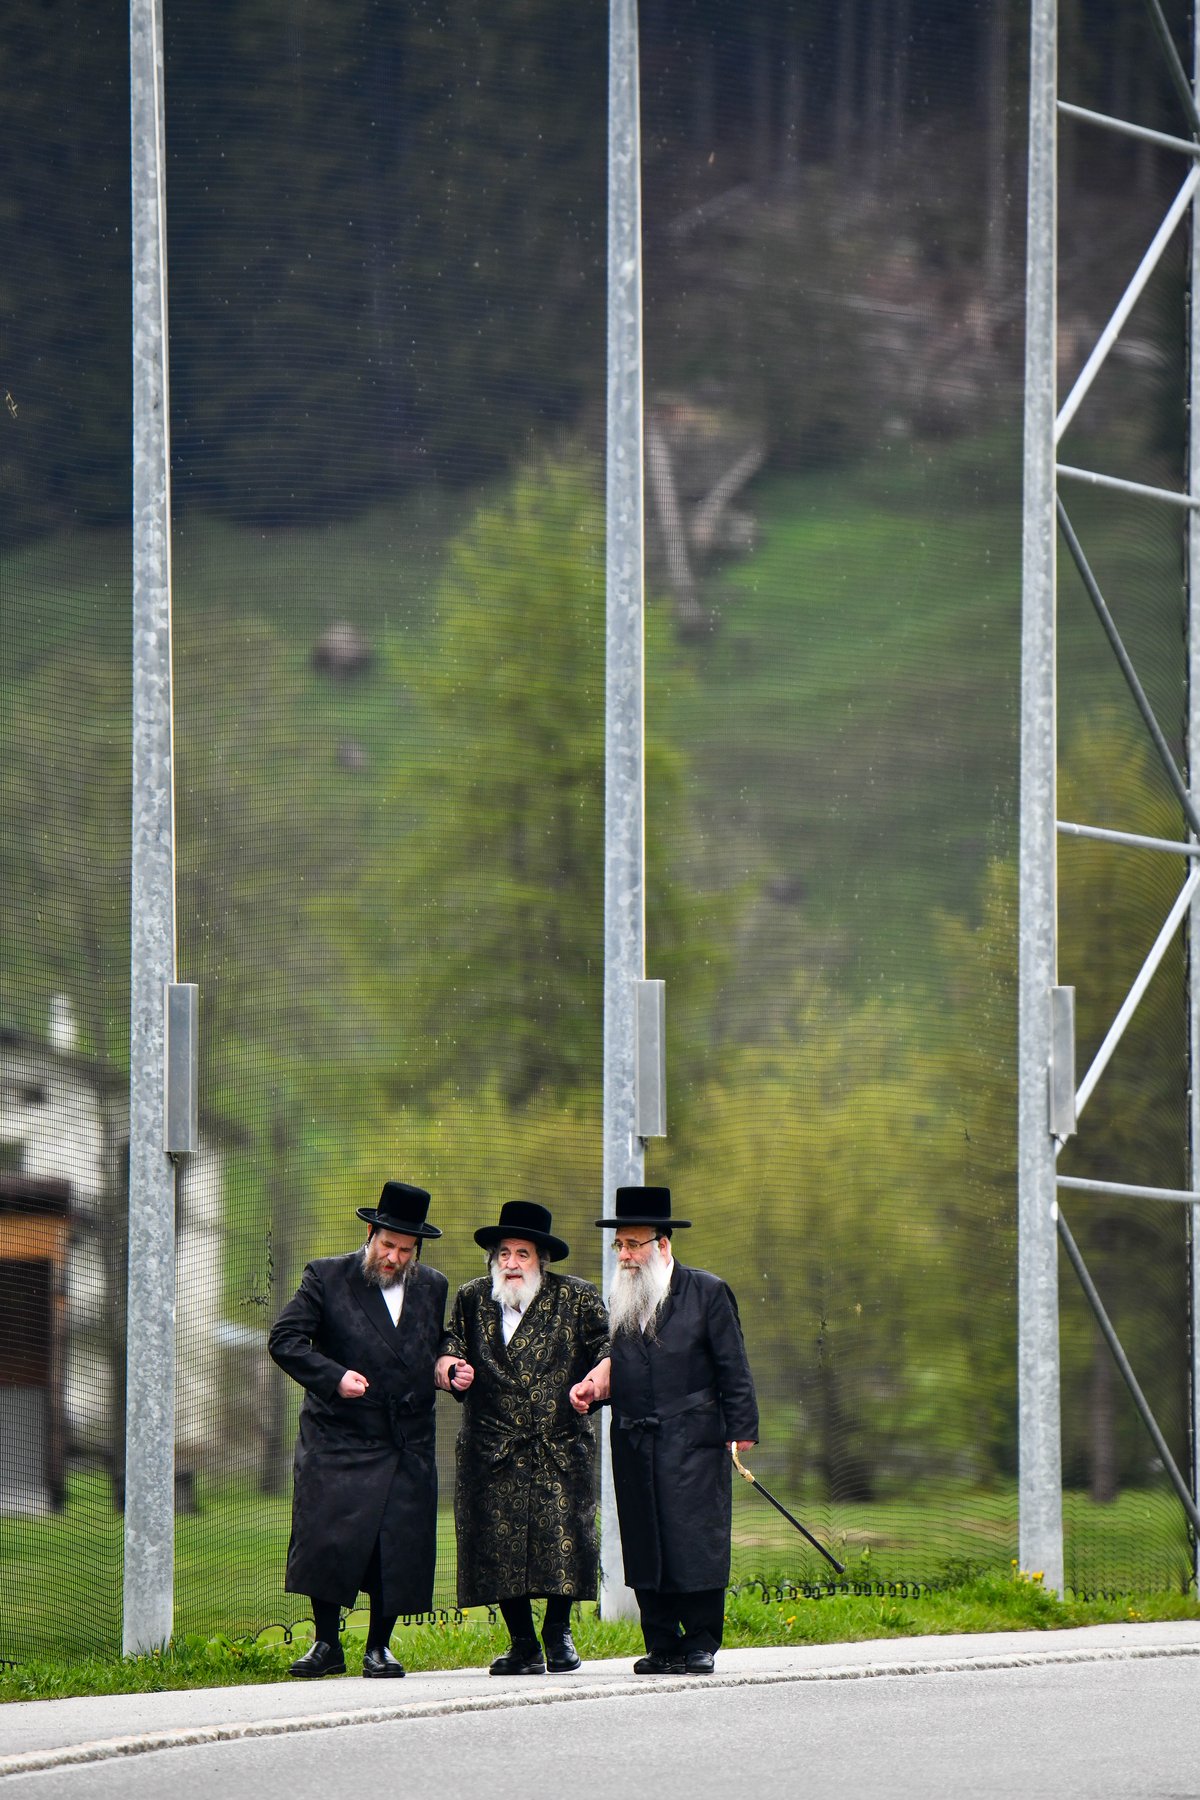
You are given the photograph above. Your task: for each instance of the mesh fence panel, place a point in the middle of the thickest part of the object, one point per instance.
(64, 826)
(386, 260)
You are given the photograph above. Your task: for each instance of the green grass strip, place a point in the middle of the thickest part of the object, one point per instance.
(987, 1603)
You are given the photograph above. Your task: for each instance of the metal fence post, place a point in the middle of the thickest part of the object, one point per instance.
(1192, 579)
(1040, 1453)
(150, 1403)
(624, 826)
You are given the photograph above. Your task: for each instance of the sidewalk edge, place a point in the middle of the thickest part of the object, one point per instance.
(183, 1737)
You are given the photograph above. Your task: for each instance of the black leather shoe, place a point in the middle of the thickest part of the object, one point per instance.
(379, 1664)
(322, 1659)
(561, 1654)
(698, 1662)
(658, 1663)
(524, 1658)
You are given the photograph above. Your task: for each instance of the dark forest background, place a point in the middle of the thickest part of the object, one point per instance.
(399, 211)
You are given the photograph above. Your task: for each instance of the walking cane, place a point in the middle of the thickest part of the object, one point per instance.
(746, 1475)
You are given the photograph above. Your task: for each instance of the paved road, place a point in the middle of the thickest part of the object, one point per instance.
(1074, 1730)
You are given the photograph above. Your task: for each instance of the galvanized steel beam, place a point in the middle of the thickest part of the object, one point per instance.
(1040, 1446)
(624, 772)
(1192, 578)
(150, 1403)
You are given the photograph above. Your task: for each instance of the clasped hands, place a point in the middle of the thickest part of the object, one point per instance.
(593, 1390)
(452, 1374)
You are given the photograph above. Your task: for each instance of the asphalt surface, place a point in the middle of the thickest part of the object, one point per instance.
(1104, 1711)
(1063, 1731)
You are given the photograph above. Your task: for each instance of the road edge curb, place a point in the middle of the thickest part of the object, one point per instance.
(28, 1762)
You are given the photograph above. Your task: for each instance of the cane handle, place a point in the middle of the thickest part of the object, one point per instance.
(739, 1465)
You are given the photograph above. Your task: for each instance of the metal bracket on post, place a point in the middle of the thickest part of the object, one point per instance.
(650, 1060)
(181, 1056)
(1061, 1073)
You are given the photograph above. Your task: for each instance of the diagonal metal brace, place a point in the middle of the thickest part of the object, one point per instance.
(1178, 74)
(1175, 215)
(1166, 757)
(1127, 1374)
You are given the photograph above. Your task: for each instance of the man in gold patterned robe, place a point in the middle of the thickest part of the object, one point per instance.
(519, 1339)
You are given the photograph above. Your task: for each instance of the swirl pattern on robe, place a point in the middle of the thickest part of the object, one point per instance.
(527, 1469)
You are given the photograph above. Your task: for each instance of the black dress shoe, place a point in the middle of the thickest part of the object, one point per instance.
(561, 1654)
(658, 1663)
(322, 1659)
(524, 1658)
(379, 1664)
(698, 1662)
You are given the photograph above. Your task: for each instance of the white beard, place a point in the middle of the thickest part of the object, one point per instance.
(637, 1292)
(516, 1294)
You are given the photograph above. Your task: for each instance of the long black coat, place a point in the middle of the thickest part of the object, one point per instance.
(364, 1468)
(525, 1494)
(677, 1399)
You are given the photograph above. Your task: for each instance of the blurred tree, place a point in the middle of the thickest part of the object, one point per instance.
(482, 923)
(849, 1238)
(64, 287)
(1111, 903)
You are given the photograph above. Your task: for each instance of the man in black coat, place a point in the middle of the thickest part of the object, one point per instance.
(361, 1337)
(681, 1394)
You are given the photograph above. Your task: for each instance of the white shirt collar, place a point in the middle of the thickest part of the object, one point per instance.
(510, 1318)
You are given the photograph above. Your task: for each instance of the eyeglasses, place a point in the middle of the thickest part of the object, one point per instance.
(620, 1244)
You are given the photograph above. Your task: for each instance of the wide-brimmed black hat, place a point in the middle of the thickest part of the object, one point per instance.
(401, 1208)
(524, 1219)
(645, 1206)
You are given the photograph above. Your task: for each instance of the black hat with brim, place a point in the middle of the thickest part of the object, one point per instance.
(401, 1208)
(524, 1219)
(645, 1206)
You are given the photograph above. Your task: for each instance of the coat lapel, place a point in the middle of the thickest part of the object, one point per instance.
(374, 1306)
(535, 1313)
(489, 1318)
(668, 1307)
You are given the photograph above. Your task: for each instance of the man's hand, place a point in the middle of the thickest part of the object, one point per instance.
(743, 1444)
(593, 1389)
(352, 1386)
(464, 1374)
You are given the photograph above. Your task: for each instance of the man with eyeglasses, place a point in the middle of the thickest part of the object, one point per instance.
(527, 1470)
(681, 1392)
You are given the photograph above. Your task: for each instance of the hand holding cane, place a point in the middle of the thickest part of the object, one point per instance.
(747, 1475)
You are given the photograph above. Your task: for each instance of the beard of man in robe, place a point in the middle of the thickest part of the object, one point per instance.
(376, 1272)
(637, 1292)
(514, 1287)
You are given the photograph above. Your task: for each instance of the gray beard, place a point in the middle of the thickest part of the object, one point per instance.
(517, 1294)
(375, 1276)
(636, 1295)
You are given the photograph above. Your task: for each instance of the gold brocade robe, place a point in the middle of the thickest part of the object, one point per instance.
(525, 1494)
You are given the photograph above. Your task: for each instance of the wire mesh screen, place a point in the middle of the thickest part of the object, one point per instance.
(64, 826)
(386, 255)
(387, 318)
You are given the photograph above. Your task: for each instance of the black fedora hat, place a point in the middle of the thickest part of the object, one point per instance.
(524, 1219)
(401, 1208)
(645, 1206)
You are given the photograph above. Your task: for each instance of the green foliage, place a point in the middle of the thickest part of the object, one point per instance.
(474, 1150)
(64, 849)
(485, 933)
(854, 1231)
(1111, 903)
(984, 1603)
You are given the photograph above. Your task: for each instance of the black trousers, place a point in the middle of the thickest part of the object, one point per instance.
(672, 1623)
(327, 1613)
